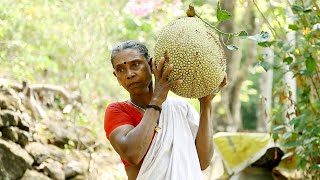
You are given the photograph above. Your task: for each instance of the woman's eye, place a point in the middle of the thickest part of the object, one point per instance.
(136, 64)
(120, 70)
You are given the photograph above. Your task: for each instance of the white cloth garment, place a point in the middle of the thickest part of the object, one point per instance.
(172, 154)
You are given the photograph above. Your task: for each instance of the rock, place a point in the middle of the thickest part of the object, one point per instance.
(14, 160)
(11, 133)
(9, 118)
(16, 135)
(72, 169)
(65, 132)
(41, 152)
(10, 102)
(78, 177)
(24, 138)
(32, 175)
(26, 121)
(54, 169)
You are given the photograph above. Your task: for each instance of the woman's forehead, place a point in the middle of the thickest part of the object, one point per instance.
(127, 55)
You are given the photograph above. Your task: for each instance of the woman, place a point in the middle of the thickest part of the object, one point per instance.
(156, 137)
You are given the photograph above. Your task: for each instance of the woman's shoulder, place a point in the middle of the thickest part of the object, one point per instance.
(117, 105)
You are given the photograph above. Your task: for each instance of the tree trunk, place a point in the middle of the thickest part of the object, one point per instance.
(265, 84)
(231, 93)
(290, 81)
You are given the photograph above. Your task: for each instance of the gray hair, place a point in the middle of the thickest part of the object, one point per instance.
(131, 44)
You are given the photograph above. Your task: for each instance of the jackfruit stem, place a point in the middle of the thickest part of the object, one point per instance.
(191, 12)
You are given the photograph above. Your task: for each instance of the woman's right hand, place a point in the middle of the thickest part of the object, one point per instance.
(162, 84)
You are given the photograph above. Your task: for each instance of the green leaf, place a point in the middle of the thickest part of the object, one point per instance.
(232, 47)
(287, 155)
(278, 127)
(311, 64)
(296, 8)
(303, 72)
(293, 27)
(308, 141)
(307, 10)
(223, 15)
(275, 135)
(288, 48)
(260, 57)
(242, 33)
(315, 167)
(286, 135)
(280, 44)
(266, 65)
(291, 144)
(262, 37)
(288, 60)
(267, 43)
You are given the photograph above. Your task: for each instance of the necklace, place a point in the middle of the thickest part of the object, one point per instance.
(156, 128)
(143, 110)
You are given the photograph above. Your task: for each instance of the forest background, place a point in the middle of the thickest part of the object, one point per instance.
(273, 83)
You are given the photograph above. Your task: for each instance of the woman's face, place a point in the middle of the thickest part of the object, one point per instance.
(132, 70)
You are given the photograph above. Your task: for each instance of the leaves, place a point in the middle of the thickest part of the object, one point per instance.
(293, 27)
(223, 15)
(242, 33)
(289, 154)
(291, 144)
(266, 65)
(279, 127)
(288, 60)
(296, 8)
(232, 47)
(266, 44)
(262, 37)
(311, 64)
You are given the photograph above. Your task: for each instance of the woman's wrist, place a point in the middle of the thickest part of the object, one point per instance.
(156, 102)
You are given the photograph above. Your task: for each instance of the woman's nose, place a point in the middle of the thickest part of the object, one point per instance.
(130, 74)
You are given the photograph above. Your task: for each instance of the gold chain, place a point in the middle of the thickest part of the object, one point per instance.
(137, 106)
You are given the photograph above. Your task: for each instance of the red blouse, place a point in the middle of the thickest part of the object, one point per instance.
(118, 114)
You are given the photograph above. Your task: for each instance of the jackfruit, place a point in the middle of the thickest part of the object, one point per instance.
(195, 51)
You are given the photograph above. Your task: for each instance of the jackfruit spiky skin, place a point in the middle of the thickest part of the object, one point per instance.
(195, 51)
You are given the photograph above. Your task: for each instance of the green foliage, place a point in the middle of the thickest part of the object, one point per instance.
(296, 122)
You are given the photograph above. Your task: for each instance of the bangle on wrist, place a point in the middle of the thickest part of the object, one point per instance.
(154, 107)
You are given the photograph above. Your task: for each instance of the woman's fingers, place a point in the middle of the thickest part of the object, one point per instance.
(167, 71)
(176, 82)
(154, 69)
(160, 67)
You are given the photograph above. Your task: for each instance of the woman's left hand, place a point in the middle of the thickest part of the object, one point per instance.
(209, 97)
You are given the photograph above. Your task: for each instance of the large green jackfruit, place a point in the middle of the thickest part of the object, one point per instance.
(195, 51)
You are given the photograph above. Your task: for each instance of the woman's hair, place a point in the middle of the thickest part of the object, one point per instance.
(131, 44)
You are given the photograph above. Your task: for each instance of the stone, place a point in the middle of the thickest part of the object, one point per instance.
(41, 152)
(14, 160)
(54, 169)
(32, 175)
(9, 118)
(11, 133)
(72, 169)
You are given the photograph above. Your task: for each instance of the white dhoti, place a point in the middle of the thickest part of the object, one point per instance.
(172, 154)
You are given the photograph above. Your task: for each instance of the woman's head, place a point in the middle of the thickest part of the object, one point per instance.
(130, 61)
(131, 44)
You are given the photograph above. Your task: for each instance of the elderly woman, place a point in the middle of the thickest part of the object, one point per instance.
(157, 137)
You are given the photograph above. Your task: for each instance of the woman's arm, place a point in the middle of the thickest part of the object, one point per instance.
(204, 139)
